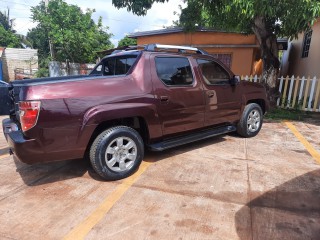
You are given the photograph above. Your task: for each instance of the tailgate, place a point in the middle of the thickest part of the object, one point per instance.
(5, 100)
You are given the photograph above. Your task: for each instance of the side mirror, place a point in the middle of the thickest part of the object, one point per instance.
(235, 80)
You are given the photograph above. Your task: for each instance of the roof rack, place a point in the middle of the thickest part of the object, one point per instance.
(154, 48)
(181, 49)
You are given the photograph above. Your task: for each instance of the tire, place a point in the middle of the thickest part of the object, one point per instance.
(251, 121)
(117, 152)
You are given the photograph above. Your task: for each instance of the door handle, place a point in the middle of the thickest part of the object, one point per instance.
(210, 94)
(164, 99)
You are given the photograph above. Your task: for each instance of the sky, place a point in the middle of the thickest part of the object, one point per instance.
(120, 22)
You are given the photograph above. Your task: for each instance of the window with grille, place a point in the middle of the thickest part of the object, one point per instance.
(225, 58)
(306, 44)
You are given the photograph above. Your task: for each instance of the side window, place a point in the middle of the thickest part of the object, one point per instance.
(97, 70)
(114, 66)
(213, 73)
(109, 67)
(174, 71)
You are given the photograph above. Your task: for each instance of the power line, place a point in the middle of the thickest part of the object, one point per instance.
(16, 3)
(23, 26)
(12, 8)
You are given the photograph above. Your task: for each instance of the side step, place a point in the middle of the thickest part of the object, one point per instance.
(174, 142)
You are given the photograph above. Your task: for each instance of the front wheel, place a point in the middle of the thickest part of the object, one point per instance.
(251, 121)
(117, 152)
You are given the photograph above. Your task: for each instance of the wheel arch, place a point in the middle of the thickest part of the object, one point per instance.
(260, 102)
(138, 123)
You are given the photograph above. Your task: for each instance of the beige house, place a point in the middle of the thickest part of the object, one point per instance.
(236, 50)
(304, 55)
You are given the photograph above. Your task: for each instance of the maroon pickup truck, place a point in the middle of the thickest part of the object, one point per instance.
(158, 97)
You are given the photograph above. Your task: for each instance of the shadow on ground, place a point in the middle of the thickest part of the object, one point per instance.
(38, 174)
(289, 211)
(4, 151)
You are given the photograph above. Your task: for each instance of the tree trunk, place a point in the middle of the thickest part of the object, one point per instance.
(269, 52)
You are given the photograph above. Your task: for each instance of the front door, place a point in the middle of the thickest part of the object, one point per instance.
(223, 101)
(179, 95)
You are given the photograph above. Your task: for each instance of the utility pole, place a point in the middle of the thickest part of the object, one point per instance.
(46, 3)
(8, 16)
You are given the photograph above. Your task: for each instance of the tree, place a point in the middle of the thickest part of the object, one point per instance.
(126, 41)
(7, 35)
(4, 21)
(74, 35)
(267, 19)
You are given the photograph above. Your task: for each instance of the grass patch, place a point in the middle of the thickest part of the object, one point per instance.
(286, 114)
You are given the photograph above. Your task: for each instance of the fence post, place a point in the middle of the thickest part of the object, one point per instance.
(290, 91)
(301, 90)
(284, 94)
(312, 93)
(295, 92)
(306, 94)
(317, 97)
(280, 88)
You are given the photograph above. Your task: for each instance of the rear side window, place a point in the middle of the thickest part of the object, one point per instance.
(114, 66)
(97, 70)
(174, 71)
(213, 73)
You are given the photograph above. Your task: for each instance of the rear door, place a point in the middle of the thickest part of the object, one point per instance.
(180, 98)
(223, 101)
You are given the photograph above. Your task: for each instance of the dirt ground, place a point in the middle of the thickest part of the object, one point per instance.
(227, 187)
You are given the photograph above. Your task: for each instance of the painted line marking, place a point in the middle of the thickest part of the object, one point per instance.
(304, 141)
(82, 229)
(4, 156)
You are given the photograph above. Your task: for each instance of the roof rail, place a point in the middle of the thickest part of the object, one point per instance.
(182, 49)
(152, 48)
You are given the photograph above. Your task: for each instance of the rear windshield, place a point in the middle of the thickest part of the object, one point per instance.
(119, 65)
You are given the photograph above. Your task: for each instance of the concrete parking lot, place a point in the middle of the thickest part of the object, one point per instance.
(227, 187)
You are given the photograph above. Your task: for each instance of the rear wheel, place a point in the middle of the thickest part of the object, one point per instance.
(117, 152)
(251, 121)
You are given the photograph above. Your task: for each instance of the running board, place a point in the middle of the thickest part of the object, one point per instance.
(174, 142)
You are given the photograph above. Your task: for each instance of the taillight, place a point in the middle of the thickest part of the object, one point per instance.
(29, 112)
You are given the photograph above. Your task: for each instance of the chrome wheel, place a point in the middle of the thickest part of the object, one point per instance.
(121, 154)
(254, 121)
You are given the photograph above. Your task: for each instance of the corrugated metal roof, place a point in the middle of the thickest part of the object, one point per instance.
(173, 30)
(20, 54)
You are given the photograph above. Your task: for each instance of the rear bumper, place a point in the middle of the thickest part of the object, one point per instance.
(25, 150)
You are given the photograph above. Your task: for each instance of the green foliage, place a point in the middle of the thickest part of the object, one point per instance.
(8, 39)
(283, 18)
(7, 36)
(126, 41)
(138, 7)
(74, 35)
(286, 114)
(4, 21)
(42, 72)
(38, 38)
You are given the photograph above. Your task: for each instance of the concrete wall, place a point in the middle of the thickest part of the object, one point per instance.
(13, 58)
(241, 47)
(308, 66)
(58, 69)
